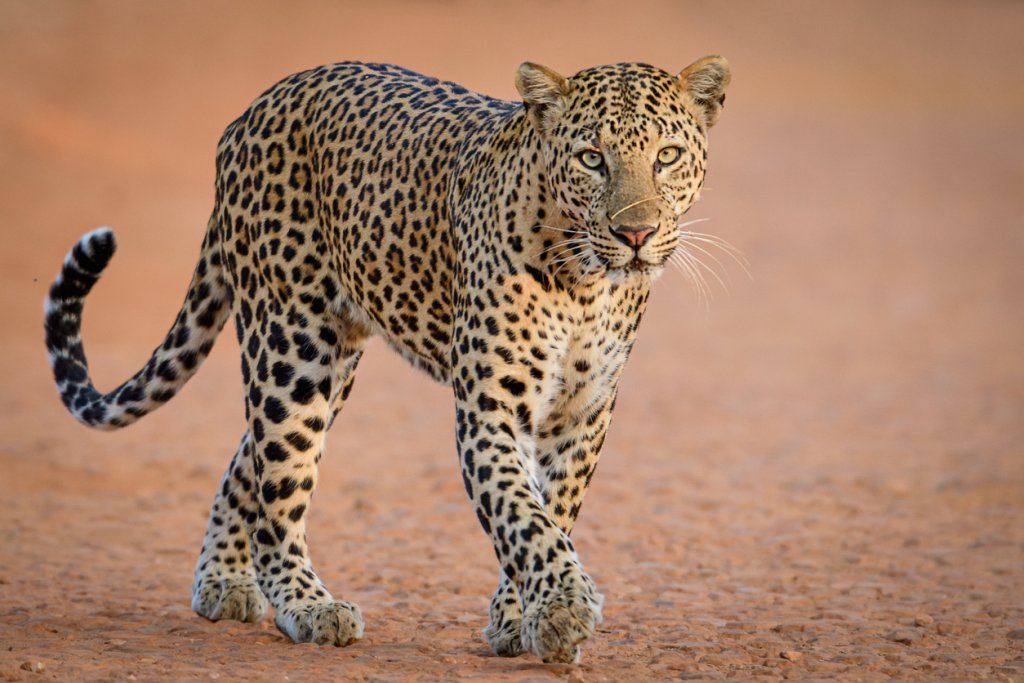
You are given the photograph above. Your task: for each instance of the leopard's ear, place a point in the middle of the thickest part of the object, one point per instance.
(543, 92)
(705, 82)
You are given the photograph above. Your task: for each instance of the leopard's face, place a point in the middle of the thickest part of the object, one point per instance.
(625, 149)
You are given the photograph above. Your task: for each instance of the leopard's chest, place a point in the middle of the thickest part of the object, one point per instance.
(597, 348)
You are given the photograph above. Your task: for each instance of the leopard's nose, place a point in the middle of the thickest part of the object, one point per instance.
(634, 236)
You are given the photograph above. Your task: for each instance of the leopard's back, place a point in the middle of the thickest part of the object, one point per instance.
(333, 185)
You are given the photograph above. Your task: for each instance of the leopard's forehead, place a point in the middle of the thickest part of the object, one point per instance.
(619, 98)
(628, 79)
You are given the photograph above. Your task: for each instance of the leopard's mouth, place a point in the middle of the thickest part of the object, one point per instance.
(635, 267)
(637, 264)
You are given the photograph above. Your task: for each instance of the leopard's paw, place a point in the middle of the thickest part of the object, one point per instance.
(554, 627)
(504, 638)
(230, 598)
(330, 623)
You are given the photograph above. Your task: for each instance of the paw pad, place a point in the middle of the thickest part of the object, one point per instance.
(332, 623)
(553, 628)
(235, 599)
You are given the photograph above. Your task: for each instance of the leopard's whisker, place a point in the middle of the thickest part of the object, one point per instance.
(701, 264)
(732, 252)
(593, 263)
(570, 241)
(681, 227)
(566, 259)
(686, 270)
(692, 221)
(696, 265)
(590, 265)
(573, 281)
(725, 244)
(561, 262)
(578, 239)
(572, 231)
(696, 277)
(631, 205)
(690, 245)
(713, 240)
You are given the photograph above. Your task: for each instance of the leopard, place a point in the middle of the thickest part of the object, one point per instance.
(506, 248)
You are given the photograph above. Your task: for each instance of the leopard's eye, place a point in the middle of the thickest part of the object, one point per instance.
(592, 159)
(669, 155)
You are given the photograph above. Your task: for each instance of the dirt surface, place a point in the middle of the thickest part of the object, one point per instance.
(821, 477)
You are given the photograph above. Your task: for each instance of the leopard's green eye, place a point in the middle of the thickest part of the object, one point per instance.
(669, 155)
(592, 159)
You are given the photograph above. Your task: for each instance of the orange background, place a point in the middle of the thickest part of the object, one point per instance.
(833, 449)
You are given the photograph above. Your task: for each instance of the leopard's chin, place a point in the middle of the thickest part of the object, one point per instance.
(636, 271)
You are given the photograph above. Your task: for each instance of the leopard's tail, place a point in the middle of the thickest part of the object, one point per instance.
(187, 343)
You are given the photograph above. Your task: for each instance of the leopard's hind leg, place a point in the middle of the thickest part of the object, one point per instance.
(225, 584)
(298, 366)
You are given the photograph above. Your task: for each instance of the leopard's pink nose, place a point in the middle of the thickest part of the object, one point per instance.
(634, 236)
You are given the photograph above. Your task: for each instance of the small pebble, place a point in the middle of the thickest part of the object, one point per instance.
(34, 667)
(904, 635)
(792, 655)
(923, 620)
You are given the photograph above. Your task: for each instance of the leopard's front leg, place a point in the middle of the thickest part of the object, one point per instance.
(495, 400)
(503, 632)
(568, 449)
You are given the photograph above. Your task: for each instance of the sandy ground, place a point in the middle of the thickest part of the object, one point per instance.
(826, 463)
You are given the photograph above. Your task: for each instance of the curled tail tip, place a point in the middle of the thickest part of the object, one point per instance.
(98, 246)
(103, 233)
(83, 265)
(62, 323)
(171, 364)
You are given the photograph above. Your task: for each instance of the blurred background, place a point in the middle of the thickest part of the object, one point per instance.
(829, 451)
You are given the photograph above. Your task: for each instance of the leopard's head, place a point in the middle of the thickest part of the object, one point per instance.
(625, 148)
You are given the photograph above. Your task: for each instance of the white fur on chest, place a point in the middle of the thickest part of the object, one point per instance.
(593, 358)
